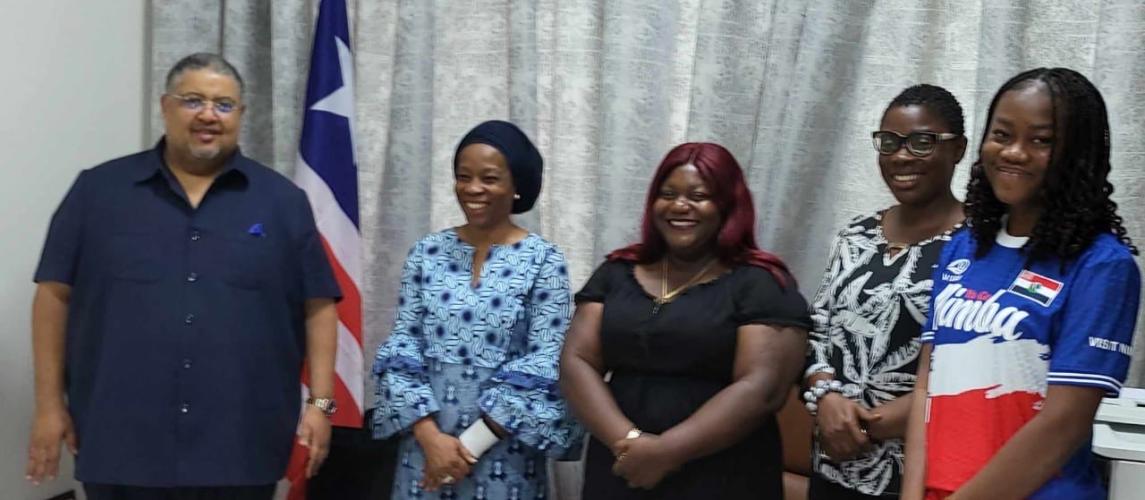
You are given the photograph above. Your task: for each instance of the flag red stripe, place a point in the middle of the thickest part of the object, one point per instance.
(1046, 282)
(350, 307)
(296, 472)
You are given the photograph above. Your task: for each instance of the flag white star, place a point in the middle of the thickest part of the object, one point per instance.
(341, 101)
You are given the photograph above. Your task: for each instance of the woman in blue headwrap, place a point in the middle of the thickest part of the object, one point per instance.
(468, 376)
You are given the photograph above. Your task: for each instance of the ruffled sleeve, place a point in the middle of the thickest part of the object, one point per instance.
(523, 396)
(403, 393)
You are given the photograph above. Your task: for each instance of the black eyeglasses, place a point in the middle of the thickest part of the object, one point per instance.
(917, 143)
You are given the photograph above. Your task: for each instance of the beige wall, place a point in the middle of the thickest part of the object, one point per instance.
(71, 96)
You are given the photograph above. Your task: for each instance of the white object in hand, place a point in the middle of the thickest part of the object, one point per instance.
(478, 438)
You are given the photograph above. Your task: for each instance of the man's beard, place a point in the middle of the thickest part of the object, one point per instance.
(205, 152)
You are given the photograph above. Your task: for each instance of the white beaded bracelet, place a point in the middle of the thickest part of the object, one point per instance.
(818, 368)
(821, 388)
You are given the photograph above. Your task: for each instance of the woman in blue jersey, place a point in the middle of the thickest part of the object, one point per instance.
(468, 376)
(1033, 308)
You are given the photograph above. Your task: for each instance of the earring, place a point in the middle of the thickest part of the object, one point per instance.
(516, 196)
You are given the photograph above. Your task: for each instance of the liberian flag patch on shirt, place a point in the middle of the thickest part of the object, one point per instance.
(1036, 287)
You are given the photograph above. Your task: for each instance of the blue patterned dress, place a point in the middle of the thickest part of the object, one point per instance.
(460, 351)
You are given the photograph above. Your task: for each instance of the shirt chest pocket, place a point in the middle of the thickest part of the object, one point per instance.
(246, 262)
(134, 257)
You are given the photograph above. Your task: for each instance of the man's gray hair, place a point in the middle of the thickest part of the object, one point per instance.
(202, 60)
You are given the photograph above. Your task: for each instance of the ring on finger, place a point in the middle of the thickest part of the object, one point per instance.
(447, 479)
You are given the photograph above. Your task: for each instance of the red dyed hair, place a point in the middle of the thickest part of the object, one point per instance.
(735, 243)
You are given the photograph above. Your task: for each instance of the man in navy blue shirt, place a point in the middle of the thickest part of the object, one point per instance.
(180, 292)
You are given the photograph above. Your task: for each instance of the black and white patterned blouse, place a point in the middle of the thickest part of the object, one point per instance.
(867, 314)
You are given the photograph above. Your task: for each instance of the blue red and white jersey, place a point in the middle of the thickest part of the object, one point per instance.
(1002, 330)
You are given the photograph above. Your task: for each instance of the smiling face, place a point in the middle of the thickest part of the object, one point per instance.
(484, 185)
(205, 135)
(1019, 145)
(913, 179)
(685, 214)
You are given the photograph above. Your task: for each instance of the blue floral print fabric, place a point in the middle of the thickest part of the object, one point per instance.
(459, 350)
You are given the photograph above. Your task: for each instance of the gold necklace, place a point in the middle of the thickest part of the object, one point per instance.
(894, 247)
(668, 296)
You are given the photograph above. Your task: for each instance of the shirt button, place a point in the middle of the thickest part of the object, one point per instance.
(185, 408)
(189, 319)
(195, 236)
(186, 364)
(193, 277)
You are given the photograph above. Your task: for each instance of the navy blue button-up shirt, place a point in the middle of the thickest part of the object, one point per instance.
(186, 326)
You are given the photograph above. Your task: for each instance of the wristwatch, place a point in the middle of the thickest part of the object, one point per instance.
(325, 404)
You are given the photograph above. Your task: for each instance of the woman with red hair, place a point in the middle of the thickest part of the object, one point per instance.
(703, 334)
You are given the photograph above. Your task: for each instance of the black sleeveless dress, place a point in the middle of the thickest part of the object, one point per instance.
(667, 362)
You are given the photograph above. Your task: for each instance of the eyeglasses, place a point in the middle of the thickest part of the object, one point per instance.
(196, 103)
(917, 143)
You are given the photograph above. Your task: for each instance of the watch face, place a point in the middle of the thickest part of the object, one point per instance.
(327, 405)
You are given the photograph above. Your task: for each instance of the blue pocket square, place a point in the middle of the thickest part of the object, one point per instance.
(256, 230)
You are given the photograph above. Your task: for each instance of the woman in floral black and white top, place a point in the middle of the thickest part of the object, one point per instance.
(874, 298)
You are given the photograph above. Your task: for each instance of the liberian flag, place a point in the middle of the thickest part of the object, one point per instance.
(326, 169)
(1036, 287)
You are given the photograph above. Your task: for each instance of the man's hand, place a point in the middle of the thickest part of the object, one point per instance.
(314, 435)
(48, 429)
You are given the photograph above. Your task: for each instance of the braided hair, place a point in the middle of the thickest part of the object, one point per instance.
(1076, 207)
(937, 99)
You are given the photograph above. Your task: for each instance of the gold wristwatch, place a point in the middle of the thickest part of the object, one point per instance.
(325, 404)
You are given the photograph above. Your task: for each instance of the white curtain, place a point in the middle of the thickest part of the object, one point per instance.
(605, 88)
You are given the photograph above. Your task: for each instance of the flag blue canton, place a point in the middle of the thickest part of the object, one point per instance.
(326, 142)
